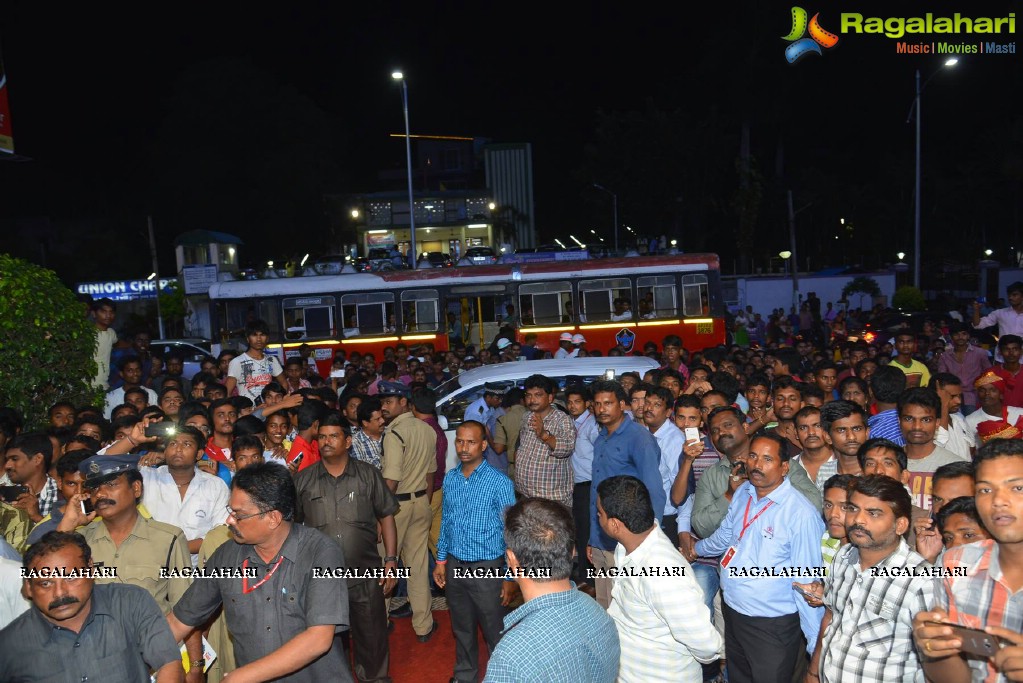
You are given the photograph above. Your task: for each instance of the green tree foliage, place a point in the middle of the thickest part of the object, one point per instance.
(909, 298)
(861, 285)
(46, 342)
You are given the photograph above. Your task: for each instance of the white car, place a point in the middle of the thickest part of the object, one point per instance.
(455, 395)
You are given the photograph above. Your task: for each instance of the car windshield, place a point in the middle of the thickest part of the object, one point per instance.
(447, 387)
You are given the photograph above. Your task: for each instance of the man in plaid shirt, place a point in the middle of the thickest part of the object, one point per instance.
(546, 440)
(981, 583)
(874, 587)
(26, 463)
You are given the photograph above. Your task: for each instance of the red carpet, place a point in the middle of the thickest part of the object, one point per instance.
(432, 662)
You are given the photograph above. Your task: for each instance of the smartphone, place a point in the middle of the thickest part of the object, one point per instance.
(609, 374)
(692, 434)
(87, 506)
(803, 591)
(975, 640)
(741, 470)
(161, 430)
(298, 459)
(981, 299)
(13, 492)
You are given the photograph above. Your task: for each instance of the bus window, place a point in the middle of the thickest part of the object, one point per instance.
(694, 295)
(598, 297)
(657, 297)
(232, 317)
(420, 310)
(369, 313)
(545, 303)
(308, 317)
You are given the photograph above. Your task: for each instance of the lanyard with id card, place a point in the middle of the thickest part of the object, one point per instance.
(727, 557)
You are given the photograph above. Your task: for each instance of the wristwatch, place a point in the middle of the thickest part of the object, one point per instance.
(390, 558)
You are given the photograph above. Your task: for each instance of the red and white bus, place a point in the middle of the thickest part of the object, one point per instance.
(366, 312)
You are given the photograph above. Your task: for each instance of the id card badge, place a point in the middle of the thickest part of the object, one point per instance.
(727, 557)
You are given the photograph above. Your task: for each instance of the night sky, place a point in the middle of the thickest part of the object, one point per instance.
(93, 92)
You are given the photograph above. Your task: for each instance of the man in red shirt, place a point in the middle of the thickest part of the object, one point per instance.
(306, 443)
(1010, 346)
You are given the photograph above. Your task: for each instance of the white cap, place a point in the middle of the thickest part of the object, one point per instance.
(566, 336)
(503, 343)
(578, 339)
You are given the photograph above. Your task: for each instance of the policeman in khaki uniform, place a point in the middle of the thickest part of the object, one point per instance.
(407, 465)
(136, 547)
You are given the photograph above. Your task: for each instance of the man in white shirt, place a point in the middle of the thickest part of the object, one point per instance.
(566, 350)
(130, 368)
(663, 624)
(993, 419)
(253, 370)
(952, 434)
(179, 493)
(103, 313)
(12, 602)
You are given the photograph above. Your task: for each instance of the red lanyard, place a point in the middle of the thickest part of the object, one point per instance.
(245, 579)
(747, 525)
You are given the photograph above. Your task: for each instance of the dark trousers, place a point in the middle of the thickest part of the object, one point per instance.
(760, 649)
(581, 517)
(669, 524)
(368, 615)
(473, 604)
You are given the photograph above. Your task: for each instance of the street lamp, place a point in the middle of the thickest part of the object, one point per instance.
(952, 61)
(614, 208)
(399, 76)
(901, 255)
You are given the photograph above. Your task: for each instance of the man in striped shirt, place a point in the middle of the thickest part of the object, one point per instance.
(983, 589)
(874, 587)
(665, 629)
(470, 551)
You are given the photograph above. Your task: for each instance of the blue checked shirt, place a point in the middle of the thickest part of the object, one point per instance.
(563, 637)
(472, 521)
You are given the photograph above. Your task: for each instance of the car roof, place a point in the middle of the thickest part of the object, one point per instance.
(555, 368)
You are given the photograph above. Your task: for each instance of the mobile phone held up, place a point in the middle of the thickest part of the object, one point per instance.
(13, 492)
(161, 430)
(975, 640)
(298, 459)
(692, 434)
(87, 506)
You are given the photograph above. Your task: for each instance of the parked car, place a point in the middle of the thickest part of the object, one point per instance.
(436, 259)
(193, 350)
(480, 256)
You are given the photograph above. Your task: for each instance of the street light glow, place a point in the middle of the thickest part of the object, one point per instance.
(152, 276)
(785, 254)
(355, 213)
(901, 255)
(988, 252)
(491, 206)
(397, 75)
(951, 61)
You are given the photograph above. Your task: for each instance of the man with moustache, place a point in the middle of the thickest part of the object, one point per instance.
(952, 433)
(768, 524)
(918, 410)
(951, 481)
(787, 400)
(834, 497)
(846, 425)
(470, 550)
(142, 551)
(546, 441)
(874, 587)
(282, 617)
(79, 630)
(982, 581)
(347, 499)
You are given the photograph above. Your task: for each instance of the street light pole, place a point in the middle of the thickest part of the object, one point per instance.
(399, 76)
(614, 209)
(916, 192)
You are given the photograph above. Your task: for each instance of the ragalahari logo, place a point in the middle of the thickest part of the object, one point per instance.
(802, 46)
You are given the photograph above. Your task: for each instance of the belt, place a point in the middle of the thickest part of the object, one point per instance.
(409, 496)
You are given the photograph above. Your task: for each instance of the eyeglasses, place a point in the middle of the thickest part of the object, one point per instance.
(238, 518)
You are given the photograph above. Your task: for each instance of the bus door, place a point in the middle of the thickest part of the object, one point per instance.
(479, 307)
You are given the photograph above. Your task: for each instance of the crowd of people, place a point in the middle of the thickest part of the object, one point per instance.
(829, 510)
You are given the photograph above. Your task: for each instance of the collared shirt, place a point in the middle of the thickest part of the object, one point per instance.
(124, 636)
(12, 603)
(784, 531)
(981, 598)
(48, 496)
(828, 469)
(663, 623)
(472, 521)
(630, 449)
(116, 397)
(203, 507)
(957, 438)
(540, 470)
(975, 362)
(292, 600)
(885, 425)
(710, 506)
(346, 508)
(582, 456)
(366, 448)
(14, 526)
(829, 547)
(479, 410)
(563, 637)
(562, 354)
(507, 429)
(870, 637)
(1007, 319)
(441, 451)
(670, 440)
(409, 453)
(148, 548)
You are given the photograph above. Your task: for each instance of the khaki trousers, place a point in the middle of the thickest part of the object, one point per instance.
(413, 522)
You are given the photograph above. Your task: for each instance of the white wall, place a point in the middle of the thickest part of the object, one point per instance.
(775, 291)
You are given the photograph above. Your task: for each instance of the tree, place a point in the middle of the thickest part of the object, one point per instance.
(909, 298)
(46, 342)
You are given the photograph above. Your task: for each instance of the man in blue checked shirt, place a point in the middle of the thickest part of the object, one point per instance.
(470, 551)
(770, 529)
